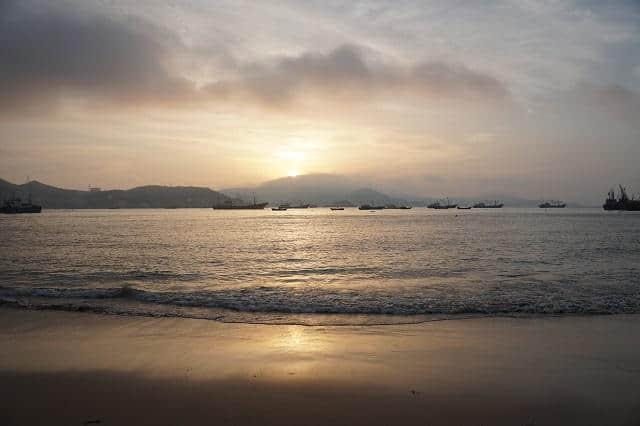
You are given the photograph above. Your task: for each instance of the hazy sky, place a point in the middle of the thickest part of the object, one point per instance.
(532, 98)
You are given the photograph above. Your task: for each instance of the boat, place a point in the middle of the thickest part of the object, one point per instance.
(228, 205)
(370, 207)
(439, 206)
(464, 208)
(495, 205)
(299, 206)
(337, 208)
(621, 203)
(394, 207)
(552, 205)
(15, 205)
(280, 208)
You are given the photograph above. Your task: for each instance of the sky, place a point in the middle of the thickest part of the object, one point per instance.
(539, 99)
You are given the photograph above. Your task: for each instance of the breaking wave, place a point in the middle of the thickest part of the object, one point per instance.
(280, 304)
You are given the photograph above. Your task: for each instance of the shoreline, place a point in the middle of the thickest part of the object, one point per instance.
(304, 319)
(73, 368)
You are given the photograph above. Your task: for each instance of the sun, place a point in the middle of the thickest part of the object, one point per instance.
(292, 173)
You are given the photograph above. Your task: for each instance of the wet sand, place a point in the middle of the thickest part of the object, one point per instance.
(61, 368)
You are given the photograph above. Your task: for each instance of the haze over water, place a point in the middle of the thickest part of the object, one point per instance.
(315, 266)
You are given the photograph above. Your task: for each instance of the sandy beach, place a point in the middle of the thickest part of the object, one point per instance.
(61, 368)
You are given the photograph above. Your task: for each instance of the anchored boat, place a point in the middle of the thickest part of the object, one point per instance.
(16, 206)
(622, 203)
(495, 205)
(370, 207)
(228, 205)
(439, 206)
(552, 205)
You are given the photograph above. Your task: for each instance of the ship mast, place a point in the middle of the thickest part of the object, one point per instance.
(623, 193)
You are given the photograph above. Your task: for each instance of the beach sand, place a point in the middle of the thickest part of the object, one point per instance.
(62, 368)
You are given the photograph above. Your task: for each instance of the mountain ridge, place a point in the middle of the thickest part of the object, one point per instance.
(148, 196)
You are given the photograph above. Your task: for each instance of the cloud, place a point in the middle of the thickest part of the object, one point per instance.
(612, 100)
(347, 72)
(45, 55)
(48, 55)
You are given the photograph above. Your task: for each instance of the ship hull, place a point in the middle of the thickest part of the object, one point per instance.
(632, 207)
(21, 210)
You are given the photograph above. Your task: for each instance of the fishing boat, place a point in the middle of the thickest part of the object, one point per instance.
(370, 207)
(394, 207)
(495, 205)
(552, 205)
(464, 208)
(280, 208)
(337, 208)
(228, 205)
(15, 205)
(300, 206)
(439, 206)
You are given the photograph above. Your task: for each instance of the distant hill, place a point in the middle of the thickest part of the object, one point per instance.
(321, 189)
(51, 197)
(369, 196)
(329, 190)
(314, 188)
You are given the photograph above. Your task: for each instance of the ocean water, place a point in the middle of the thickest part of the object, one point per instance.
(315, 266)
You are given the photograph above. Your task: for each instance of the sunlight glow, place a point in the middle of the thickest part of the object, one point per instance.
(291, 155)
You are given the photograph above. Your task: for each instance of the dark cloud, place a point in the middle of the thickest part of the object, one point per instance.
(346, 72)
(46, 55)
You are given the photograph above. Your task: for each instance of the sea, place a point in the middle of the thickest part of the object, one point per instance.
(321, 267)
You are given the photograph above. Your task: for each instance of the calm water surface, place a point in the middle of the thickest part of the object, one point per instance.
(316, 266)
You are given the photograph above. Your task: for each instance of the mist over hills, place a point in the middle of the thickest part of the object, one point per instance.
(321, 189)
(328, 189)
(152, 196)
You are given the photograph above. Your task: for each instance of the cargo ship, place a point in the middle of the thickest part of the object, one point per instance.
(622, 203)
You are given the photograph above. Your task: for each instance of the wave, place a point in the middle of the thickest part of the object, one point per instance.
(74, 276)
(294, 301)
